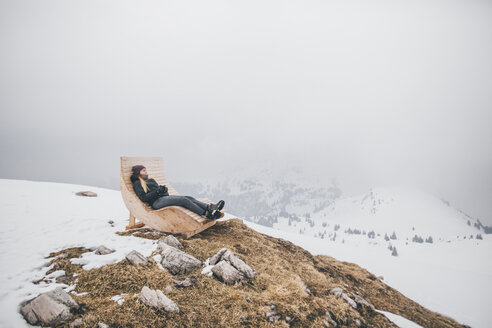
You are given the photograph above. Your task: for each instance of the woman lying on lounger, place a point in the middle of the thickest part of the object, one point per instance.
(150, 192)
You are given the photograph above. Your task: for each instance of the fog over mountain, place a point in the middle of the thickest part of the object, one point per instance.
(363, 94)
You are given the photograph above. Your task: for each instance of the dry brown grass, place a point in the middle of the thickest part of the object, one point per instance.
(284, 270)
(142, 233)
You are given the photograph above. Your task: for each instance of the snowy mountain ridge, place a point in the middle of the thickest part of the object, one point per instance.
(290, 202)
(407, 212)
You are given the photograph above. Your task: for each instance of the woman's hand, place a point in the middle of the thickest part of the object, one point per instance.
(162, 190)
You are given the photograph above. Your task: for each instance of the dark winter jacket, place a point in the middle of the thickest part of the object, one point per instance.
(152, 193)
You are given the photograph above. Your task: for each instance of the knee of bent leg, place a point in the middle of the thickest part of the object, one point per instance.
(187, 201)
(155, 205)
(182, 201)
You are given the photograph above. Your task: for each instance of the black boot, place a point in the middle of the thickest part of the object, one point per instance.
(218, 215)
(220, 205)
(209, 212)
(212, 207)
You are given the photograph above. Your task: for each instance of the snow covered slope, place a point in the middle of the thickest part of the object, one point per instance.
(407, 214)
(43, 217)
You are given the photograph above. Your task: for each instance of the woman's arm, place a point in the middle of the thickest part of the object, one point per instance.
(146, 197)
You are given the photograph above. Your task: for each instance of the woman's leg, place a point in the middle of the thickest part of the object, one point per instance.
(183, 201)
(196, 201)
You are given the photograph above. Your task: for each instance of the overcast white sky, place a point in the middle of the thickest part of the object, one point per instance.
(368, 92)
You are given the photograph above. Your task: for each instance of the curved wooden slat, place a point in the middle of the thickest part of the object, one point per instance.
(172, 219)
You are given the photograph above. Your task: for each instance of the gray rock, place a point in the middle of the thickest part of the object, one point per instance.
(102, 325)
(359, 300)
(188, 282)
(178, 262)
(358, 323)
(76, 323)
(173, 241)
(168, 289)
(86, 193)
(227, 273)
(350, 301)
(157, 299)
(329, 319)
(216, 258)
(136, 258)
(225, 254)
(339, 293)
(336, 291)
(51, 308)
(239, 264)
(161, 246)
(103, 250)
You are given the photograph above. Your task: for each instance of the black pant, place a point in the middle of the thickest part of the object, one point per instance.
(187, 202)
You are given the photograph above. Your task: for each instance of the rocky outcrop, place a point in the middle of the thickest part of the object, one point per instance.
(157, 299)
(172, 241)
(286, 271)
(339, 293)
(103, 250)
(49, 309)
(362, 302)
(356, 302)
(216, 258)
(229, 268)
(227, 273)
(176, 261)
(188, 282)
(136, 258)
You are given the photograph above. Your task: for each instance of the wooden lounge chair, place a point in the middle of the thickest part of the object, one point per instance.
(172, 219)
